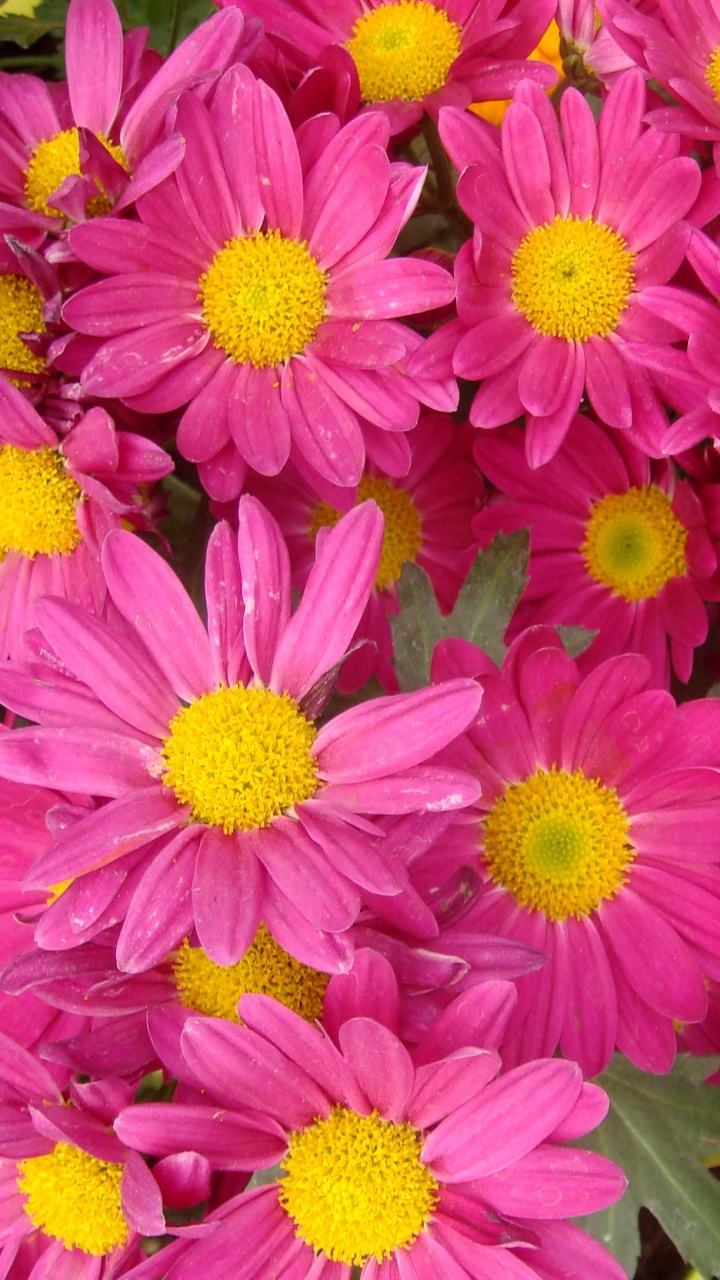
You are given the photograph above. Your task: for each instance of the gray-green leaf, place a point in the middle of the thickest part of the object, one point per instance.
(661, 1130)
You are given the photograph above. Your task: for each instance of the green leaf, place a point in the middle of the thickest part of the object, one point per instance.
(482, 612)
(263, 1177)
(661, 1130)
(25, 31)
(575, 639)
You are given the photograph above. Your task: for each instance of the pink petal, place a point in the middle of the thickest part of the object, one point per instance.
(94, 42)
(381, 1065)
(278, 163)
(265, 574)
(227, 896)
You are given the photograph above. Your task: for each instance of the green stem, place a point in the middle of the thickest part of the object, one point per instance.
(440, 162)
(32, 60)
(175, 16)
(124, 14)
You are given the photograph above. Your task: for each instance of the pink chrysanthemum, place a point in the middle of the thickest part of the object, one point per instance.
(430, 1167)
(76, 1201)
(226, 806)
(428, 514)
(256, 286)
(618, 544)
(678, 45)
(60, 499)
(416, 55)
(589, 52)
(599, 812)
(67, 158)
(574, 228)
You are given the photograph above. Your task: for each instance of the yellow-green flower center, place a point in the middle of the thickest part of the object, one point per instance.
(265, 970)
(21, 306)
(402, 537)
(39, 500)
(559, 843)
(356, 1188)
(572, 278)
(712, 73)
(263, 297)
(634, 543)
(240, 757)
(403, 49)
(56, 159)
(74, 1197)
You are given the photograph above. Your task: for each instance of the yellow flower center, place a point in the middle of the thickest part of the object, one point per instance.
(75, 1197)
(240, 757)
(56, 159)
(559, 843)
(21, 307)
(634, 543)
(402, 538)
(572, 278)
(265, 970)
(712, 73)
(355, 1186)
(263, 297)
(39, 498)
(403, 49)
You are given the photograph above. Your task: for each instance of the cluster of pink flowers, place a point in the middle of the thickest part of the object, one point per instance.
(303, 964)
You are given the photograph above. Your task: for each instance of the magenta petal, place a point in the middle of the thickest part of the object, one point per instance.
(351, 852)
(105, 834)
(369, 990)
(424, 789)
(22, 1072)
(442, 1087)
(323, 428)
(223, 596)
(554, 1182)
(258, 420)
(319, 633)
(92, 761)
(328, 952)
(184, 1179)
(94, 41)
(98, 657)
(140, 1198)
(151, 597)
(381, 1065)
(656, 962)
(278, 163)
(265, 573)
(160, 913)
(590, 1026)
(63, 1124)
(227, 1139)
(545, 1091)
(378, 738)
(301, 871)
(134, 362)
(227, 895)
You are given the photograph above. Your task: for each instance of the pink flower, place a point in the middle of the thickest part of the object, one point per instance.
(574, 230)
(255, 286)
(60, 498)
(75, 1200)
(589, 51)
(679, 46)
(416, 55)
(598, 845)
(621, 546)
(225, 806)
(105, 145)
(428, 513)
(391, 1162)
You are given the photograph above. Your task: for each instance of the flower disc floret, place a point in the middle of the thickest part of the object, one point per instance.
(558, 842)
(58, 158)
(572, 278)
(402, 537)
(356, 1188)
(74, 1197)
(39, 501)
(21, 308)
(263, 297)
(634, 543)
(240, 757)
(265, 969)
(403, 50)
(712, 73)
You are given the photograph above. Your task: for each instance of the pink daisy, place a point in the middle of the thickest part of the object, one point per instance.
(590, 54)
(74, 1200)
(416, 55)
(678, 45)
(430, 1167)
(428, 514)
(225, 805)
(68, 157)
(256, 287)
(619, 545)
(60, 498)
(598, 839)
(573, 229)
